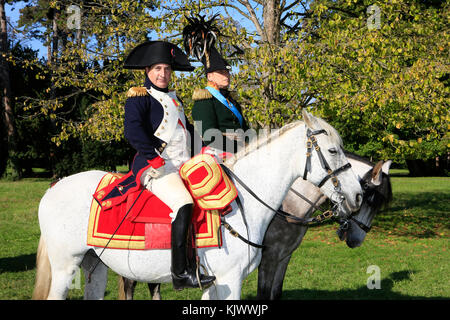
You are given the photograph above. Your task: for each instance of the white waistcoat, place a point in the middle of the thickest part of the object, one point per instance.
(170, 131)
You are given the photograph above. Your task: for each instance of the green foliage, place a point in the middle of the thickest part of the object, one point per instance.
(383, 86)
(77, 155)
(383, 89)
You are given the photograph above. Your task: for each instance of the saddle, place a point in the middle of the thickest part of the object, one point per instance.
(125, 215)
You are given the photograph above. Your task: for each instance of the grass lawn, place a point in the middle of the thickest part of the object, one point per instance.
(409, 244)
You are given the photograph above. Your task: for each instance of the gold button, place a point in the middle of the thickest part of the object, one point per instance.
(106, 203)
(157, 133)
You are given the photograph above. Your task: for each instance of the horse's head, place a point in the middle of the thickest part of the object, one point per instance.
(327, 166)
(377, 193)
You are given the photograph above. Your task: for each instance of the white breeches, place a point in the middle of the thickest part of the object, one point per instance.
(170, 189)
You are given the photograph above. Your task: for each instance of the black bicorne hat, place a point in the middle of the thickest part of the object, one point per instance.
(213, 61)
(153, 52)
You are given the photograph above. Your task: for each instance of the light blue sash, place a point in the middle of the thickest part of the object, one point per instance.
(226, 103)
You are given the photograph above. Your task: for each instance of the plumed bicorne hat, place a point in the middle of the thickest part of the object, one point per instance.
(153, 52)
(199, 37)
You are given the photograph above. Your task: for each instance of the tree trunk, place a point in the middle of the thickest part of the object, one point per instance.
(269, 30)
(55, 39)
(7, 110)
(272, 16)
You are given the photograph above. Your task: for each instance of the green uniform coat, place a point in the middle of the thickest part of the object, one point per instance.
(214, 115)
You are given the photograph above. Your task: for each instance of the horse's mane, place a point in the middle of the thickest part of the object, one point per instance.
(357, 157)
(258, 143)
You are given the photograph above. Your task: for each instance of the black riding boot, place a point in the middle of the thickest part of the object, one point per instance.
(182, 275)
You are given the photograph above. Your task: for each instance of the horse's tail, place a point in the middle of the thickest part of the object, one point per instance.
(121, 284)
(43, 273)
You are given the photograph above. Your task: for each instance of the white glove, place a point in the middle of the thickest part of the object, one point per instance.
(156, 173)
(153, 173)
(211, 151)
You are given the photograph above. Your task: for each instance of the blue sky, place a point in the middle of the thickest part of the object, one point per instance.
(13, 13)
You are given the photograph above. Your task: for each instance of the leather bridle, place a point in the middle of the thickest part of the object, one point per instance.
(312, 142)
(333, 213)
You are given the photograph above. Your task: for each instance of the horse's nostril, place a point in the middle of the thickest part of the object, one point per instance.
(359, 199)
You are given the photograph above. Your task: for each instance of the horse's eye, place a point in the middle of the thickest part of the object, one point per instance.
(332, 151)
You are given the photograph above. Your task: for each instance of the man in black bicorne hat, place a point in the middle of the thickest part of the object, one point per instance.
(156, 126)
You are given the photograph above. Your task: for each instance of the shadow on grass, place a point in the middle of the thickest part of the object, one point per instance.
(436, 201)
(418, 215)
(363, 293)
(18, 264)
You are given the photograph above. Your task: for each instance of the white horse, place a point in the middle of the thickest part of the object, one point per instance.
(285, 233)
(268, 171)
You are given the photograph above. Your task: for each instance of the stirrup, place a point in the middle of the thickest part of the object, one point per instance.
(190, 280)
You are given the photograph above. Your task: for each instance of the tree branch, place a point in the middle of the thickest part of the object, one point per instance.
(293, 4)
(253, 18)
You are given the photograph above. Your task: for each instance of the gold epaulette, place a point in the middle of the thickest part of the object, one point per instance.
(137, 92)
(201, 94)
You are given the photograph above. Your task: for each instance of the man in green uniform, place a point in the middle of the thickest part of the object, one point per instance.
(217, 116)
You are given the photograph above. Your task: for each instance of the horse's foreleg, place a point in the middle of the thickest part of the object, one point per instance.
(278, 278)
(266, 271)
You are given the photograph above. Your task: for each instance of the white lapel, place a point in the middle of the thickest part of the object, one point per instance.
(171, 114)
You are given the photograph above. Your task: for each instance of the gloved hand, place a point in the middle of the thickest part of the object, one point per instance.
(156, 170)
(155, 173)
(210, 151)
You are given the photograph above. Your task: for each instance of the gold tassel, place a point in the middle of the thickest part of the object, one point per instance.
(207, 60)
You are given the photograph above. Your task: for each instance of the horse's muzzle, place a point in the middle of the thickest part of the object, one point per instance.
(359, 200)
(355, 205)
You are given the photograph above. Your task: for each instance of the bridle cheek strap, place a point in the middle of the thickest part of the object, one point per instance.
(312, 142)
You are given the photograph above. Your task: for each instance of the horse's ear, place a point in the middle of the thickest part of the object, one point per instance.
(309, 119)
(376, 173)
(386, 166)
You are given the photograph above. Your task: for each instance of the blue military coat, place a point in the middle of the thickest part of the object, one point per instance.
(151, 115)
